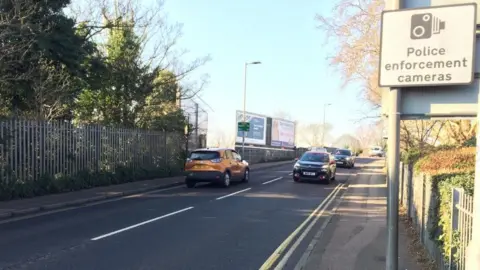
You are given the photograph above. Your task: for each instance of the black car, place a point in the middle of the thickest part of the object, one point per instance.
(317, 166)
(344, 158)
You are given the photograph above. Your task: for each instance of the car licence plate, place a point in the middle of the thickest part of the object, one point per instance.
(309, 173)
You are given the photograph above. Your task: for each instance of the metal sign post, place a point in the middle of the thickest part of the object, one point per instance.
(420, 48)
(393, 176)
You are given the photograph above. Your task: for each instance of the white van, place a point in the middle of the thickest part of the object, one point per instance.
(318, 149)
(376, 151)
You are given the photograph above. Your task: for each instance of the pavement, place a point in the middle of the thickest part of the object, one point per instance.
(269, 223)
(356, 237)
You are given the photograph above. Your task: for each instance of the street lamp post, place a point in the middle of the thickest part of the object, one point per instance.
(324, 122)
(245, 100)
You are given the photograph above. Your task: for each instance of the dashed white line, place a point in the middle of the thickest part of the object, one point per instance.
(141, 224)
(273, 180)
(231, 194)
(290, 173)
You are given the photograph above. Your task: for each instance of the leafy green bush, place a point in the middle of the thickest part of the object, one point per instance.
(82, 180)
(470, 142)
(442, 216)
(447, 161)
(448, 167)
(410, 157)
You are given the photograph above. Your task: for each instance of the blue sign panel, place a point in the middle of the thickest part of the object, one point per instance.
(258, 128)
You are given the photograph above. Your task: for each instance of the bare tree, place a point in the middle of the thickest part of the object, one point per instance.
(52, 89)
(420, 135)
(281, 114)
(16, 39)
(311, 134)
(158, 37)
(370, 134)
(354, 26)
(459, 131)
(219, 138)
(348, 141)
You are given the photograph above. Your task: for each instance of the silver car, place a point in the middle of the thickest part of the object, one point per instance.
(376, 151)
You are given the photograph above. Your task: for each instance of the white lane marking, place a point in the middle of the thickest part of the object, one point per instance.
(295, 245)
(141, 224)
(273, 180)
(231, 194)
(290, 173)
(55, 211)
(276, 254)
(303, 260)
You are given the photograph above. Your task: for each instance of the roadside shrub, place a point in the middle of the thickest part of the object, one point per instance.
(470, 142)
(441, 215)
(410, 156)
(447, 161)
(449, 167)
(85, 179)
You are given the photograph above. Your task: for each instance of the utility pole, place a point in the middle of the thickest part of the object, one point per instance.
(196, 126)
(324, 122)
(245, 100)
(244, 106)
(393, 168)
(187, 133)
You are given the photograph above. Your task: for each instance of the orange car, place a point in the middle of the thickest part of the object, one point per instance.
(215, 165)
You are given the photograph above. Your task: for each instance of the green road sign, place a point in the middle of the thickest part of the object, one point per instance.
(244, 126)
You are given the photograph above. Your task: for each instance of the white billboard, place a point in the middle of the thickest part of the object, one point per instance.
(283, 133)
(258, 128)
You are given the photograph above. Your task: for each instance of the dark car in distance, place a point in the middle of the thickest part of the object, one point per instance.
(315, 166)
(344, 158)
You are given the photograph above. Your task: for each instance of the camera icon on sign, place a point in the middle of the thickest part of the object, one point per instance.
(424, 25)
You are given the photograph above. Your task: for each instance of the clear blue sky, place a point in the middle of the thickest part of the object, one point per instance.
(295, 76)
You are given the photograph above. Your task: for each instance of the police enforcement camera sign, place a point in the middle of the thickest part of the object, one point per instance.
(428, 46)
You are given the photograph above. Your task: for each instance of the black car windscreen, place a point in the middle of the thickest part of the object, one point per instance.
(204, 155)
(314, 157)
(331, 149)
(343, 152)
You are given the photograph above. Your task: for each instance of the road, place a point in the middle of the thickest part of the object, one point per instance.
(207, 227)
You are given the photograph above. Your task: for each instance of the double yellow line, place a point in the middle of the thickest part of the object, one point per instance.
(268, 264)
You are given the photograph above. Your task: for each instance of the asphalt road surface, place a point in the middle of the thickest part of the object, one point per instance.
(207, 227)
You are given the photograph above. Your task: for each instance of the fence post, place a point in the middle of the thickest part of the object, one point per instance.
(453, 227)
(422, 217)
(410, 189)
(401, 179)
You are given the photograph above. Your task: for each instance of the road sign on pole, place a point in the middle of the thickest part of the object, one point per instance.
(428, 47)
(244, 126)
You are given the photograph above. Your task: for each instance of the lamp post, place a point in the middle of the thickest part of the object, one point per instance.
(324, 122)
(245, 100)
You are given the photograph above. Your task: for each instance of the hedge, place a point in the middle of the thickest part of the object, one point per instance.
(448, 167)
(47, 184)
(448, 161)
